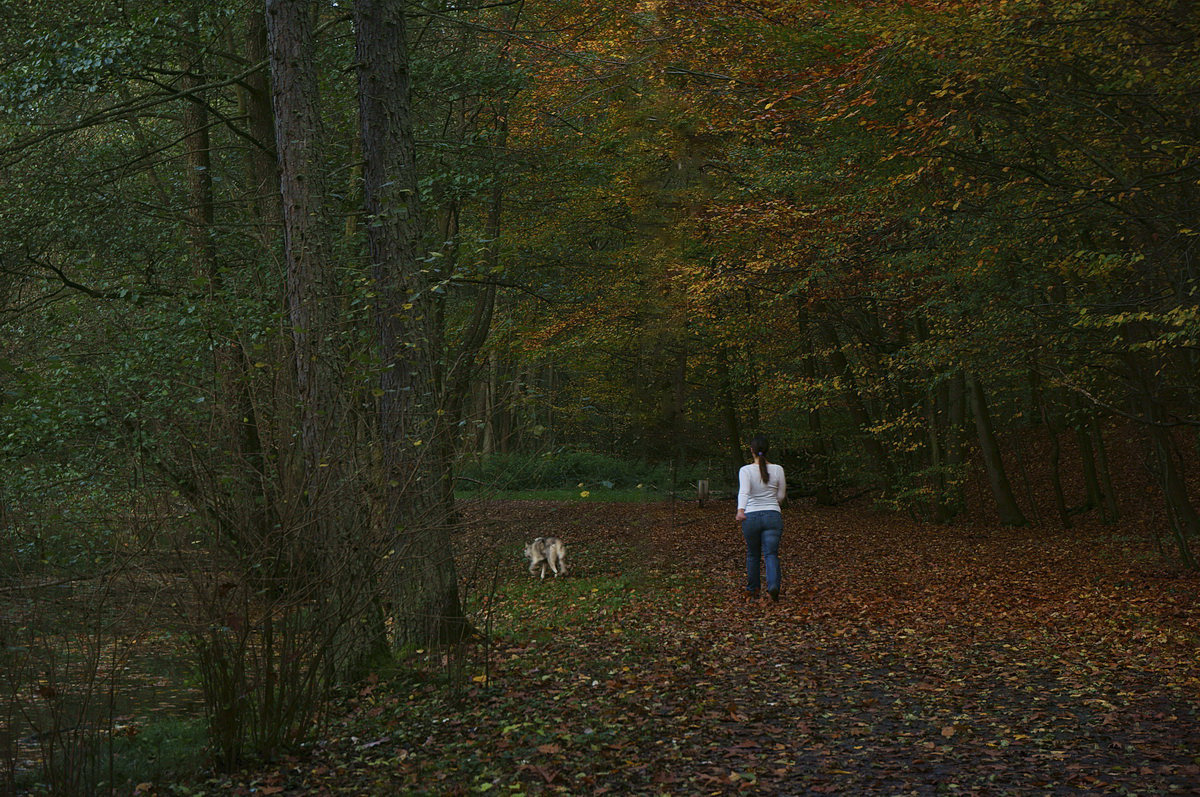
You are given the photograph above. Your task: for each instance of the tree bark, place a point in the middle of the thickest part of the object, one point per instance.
(1093, 496)
(307, 243)
(1006, 501)
(427, 603)
(1110, 512)
(199, 161)
(262, 160)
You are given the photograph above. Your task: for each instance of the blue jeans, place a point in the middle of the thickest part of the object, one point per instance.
(762, 531)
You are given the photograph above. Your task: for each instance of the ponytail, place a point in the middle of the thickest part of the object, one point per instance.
(758, 445)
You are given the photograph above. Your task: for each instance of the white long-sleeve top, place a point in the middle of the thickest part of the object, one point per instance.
(753, 495)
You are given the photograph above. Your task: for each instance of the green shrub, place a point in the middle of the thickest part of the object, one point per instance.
(554, 470)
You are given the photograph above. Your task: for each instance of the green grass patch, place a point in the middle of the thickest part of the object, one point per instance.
(628, 495)
(168, 749)
(535, 608)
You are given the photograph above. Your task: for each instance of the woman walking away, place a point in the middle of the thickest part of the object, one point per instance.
(761, 491)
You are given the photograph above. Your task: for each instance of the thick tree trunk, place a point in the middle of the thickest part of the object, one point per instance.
(301, 589)
(1006, 501)
(307, 242)
(426, 587)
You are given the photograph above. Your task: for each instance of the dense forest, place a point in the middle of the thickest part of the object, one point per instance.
(278, 281)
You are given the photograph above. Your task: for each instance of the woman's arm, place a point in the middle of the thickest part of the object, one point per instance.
(743, 494)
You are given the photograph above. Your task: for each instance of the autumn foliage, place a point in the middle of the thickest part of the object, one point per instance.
(275, 288)
(902, 657)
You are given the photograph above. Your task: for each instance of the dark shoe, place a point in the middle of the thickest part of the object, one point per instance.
(774, 593)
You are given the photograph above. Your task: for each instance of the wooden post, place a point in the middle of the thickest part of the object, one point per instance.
(701, 491)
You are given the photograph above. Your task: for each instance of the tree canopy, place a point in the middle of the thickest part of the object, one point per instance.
(272, 275)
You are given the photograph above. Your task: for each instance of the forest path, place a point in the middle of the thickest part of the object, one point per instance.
(902, 659)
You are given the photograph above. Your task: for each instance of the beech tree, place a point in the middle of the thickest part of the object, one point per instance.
(413, 512)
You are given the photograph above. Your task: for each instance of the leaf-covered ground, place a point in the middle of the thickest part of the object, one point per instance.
(902, 659)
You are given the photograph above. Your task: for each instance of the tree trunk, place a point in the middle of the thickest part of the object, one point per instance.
(1093, 496)
(307, 243)
(266, 210)
(1145, 373)
(427, 603)
(734, 443)
(1110, 512)
(490, 408)
(955, 408)
(939, 511)
(199, 161)
(465, 365)
(678, 412)
(823, 489)
(263, 163)
(1185, 524)
(937, 397)
(857, 409)
(1006, 501)
(1060, 498)
(957, 412)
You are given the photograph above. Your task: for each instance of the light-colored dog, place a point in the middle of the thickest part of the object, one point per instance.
(547, 551)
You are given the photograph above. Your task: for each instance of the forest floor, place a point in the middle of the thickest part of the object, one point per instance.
(902, 658)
